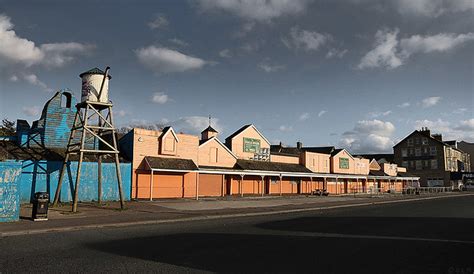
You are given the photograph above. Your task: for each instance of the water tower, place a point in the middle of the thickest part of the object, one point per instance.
(93, 131)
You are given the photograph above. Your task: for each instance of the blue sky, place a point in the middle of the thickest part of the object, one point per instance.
(360, 74)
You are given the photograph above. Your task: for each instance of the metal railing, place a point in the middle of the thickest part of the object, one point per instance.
(405, 191)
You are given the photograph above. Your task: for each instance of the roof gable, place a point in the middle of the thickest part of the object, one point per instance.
(244, 128)
(220, 143)
(338, 151)
(166, 131)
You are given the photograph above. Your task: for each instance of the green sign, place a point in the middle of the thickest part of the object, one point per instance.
(251, 145)
(344, 163)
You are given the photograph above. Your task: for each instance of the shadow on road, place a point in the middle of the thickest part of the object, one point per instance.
(431, 228)
(267, 252)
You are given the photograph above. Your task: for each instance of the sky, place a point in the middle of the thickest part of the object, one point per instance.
(358, 74)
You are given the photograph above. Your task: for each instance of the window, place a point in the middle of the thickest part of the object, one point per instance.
(425, 150)
(424, 141)
(426, 163)
(404, 152)
(412, 164)
(417, 151)
(410, 142)
(418, 165)
(417, 141)
(344, 163)
(434, 164)
(274, 181)
(410, 151)
(433, 151)
(213, 155)
(66, 100)
(405, 164)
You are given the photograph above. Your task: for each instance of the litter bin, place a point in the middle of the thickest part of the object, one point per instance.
(40, 206)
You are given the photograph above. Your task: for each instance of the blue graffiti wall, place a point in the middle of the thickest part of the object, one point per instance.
(43, 175)
(10, 173)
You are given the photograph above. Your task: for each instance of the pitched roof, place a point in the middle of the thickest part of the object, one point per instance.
(387, 156)
(422, 133)
(240, 130)
(278, 149)
(210, 129)
(167, 130)
(95, 71)
(202, 142)
(270, 166)
(170, 163)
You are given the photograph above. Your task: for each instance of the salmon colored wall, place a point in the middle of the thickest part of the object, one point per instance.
(237, 143)
(165, 185)
(401, 169)
(210, 185)
(361, 166)
(224, 158)
(389, 169)
(285, 159)
(374, 165)
(335, 163)
(316, 162)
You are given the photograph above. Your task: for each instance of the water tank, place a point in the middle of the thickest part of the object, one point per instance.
(91, 83)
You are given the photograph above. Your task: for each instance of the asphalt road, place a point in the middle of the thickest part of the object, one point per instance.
(434, 236)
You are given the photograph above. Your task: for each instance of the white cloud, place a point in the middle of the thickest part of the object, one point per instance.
(305, 39)
(322, 112)
(460, 111)
(13, 78)
(225, 53)
(404, 105)
(163, 60)
(430, 101)
(285, 128)
(195, 124)
(384, 52)
(158, 22)
(379, 114)
(178, 42)
(60, 54)
(34, 80)
(15, 49)
(433, 8)
(121, 113)
(32, 110)
(391, 52)
(258, 10)
(304, 116)
(369, 136)
(160, 98)
(265, 66)
(245, 29)
(463, 130)
(435, 43)
(336, 53)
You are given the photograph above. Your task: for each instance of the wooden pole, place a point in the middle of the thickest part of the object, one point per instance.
(197, 186)
(79, 165)
(151, 186)
(241, 185)
(66, 158)
(117, 161)
(263, 184)
(99, 181)
(223, 185)
(281, 182)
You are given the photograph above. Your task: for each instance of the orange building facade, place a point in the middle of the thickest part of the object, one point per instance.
(166, 164)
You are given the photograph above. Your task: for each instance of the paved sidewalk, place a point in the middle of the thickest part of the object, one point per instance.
(91, 215)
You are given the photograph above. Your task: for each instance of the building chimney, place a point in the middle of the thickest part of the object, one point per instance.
(208, 133)
(299, 145)
(438, 137)
(426, 131)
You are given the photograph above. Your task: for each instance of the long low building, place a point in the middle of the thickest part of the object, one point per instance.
(166, 164)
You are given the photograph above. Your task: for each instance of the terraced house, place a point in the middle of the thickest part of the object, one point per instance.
(431, 158)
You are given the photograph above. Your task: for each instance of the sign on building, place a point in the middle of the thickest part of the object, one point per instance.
(251, 145)
(344, 163)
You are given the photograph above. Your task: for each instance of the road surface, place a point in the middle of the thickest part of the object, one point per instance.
(432, 236)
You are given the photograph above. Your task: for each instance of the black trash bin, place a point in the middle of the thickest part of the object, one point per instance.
(40, 206)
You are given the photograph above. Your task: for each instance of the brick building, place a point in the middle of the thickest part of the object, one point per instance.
(426, 155)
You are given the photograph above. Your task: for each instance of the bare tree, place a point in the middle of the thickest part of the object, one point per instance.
(7, 128)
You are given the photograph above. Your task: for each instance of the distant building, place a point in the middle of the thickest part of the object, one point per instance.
(469, 148)
(427, 156)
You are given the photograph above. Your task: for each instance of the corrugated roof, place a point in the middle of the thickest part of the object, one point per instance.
(270, 166)
(170, 163)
